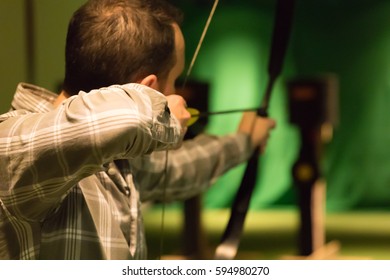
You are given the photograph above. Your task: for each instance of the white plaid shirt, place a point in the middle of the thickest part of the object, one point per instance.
(72, 178)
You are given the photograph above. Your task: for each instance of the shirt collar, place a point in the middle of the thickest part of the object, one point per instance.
(33, 98)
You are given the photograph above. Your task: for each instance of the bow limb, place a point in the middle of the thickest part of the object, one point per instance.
(281, 33)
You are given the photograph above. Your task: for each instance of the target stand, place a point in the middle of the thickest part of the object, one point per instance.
(313, 109)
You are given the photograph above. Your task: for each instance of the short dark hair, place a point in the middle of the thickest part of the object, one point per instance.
(119, 41)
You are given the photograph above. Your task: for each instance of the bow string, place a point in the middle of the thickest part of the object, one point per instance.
(188, 73)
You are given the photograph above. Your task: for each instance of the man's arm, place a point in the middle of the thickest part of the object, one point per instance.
(43, 155)
(198, 163)
(190, 169)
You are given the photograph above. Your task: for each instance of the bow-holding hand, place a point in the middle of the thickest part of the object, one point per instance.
(259, 128)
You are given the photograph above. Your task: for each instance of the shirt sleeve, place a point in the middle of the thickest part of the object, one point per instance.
(189, 170)
(43, 155)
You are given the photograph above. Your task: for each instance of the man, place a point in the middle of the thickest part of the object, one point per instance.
(75, 168)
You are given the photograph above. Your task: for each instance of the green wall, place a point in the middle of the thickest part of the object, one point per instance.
(348, 38)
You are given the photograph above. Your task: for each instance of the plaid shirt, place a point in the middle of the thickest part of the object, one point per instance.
(72, 178)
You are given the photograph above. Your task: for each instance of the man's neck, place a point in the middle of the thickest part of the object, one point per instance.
(61, 97)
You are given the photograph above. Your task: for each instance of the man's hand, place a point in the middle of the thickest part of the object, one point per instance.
(177, 105)
(258, 127)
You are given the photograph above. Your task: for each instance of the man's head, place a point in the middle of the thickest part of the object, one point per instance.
(121, 41)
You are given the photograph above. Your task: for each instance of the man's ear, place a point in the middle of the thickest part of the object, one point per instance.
(150, 81)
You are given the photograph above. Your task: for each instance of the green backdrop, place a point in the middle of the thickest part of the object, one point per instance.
(350, 39)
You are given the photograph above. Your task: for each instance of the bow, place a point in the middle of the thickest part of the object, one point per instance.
(281, 33)
(231, 238)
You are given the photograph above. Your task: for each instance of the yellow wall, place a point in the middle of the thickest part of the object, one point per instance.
(12, 51)
(50, 24)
